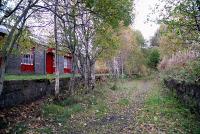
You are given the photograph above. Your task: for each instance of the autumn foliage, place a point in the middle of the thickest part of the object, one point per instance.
(178, 59)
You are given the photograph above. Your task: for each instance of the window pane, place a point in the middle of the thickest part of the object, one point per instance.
(65, 63)
(27, 59)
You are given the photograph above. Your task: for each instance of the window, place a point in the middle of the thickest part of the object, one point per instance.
(65, 62)
(27, 59)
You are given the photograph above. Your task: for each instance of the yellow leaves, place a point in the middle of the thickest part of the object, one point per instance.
(130, 49)
(170, 44)
(25, 42)
(128, 39)
(107, 41)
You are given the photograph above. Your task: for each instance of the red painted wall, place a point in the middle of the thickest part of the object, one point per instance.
(67, 70)
(27, 68)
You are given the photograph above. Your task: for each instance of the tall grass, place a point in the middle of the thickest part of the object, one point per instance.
(178, 59)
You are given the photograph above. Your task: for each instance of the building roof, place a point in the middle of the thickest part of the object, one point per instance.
(4, 30)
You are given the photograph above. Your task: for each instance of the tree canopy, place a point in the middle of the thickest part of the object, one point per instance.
(182, 18)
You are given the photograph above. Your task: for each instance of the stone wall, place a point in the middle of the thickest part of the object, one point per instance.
(25, 91)
(187, 92)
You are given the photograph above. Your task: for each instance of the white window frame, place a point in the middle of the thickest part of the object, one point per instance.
(27, 59)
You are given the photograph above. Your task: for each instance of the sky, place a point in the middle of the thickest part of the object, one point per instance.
(142, 10)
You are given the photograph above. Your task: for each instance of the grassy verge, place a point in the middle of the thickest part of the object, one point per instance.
(9, 77)
(60, 113)
(164, 113)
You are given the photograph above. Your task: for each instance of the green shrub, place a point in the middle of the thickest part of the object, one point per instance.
(153, 59)
(189, 73)
(114, 87)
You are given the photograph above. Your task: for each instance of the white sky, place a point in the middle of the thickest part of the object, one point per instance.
(142, 10)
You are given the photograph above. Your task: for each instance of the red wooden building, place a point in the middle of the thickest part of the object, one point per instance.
(38, 61)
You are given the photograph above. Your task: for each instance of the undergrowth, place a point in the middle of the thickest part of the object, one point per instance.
(60, 113)
(123, 102)
(164, 112)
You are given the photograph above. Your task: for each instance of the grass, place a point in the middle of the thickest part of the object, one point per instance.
(62, 110)
(162, 112)
(20, 128)
(165, 113)
(56, 112)
(10, 77)
(124, 102)
(68, 101)
(60, 113)
(100, 109)
(45, 130)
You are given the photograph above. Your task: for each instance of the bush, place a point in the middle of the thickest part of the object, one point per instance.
(190, 72)
(178, 59)
(114, 87)
(153, 59)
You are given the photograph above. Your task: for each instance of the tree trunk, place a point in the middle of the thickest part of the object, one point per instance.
(57, 84)
(89, 78)
(57, 79)
(9, 44)
(3, 67)
(72, 79)
(92, 82)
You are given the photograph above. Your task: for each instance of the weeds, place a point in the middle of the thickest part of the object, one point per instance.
(60, 113)
(124, 102)
(165, 112)
(56, 112)
(20, 128)
(45, 130)
(100, 109)
(114, 87)
(67, 101)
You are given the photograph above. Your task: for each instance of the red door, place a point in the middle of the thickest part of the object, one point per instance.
(49, 63)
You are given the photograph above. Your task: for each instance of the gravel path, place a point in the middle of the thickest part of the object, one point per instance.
(120, 119)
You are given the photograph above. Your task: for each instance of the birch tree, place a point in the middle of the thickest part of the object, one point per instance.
(82, 21)
(23, 10)
(56, 52)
